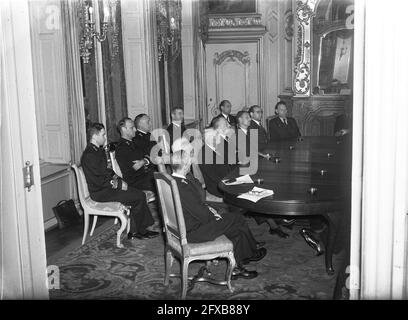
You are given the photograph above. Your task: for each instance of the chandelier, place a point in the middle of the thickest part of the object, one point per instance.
(90, 33)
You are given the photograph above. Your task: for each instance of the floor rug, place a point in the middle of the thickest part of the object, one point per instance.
(100, 270)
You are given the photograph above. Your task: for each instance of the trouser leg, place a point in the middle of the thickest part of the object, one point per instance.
(140, 216)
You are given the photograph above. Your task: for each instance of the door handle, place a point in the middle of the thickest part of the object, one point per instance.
(28, 176)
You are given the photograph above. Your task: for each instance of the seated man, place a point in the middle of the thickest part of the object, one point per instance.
(206, 223)
(244, 125)
(133, 162)
(105, 186)
(344, 122)
(225, 108)
(176, 128)
(283, 127)
(142, 135)
(217, 159)
(255, 112)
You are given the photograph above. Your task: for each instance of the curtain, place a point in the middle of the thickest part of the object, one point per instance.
(76, 111)
(113, 69)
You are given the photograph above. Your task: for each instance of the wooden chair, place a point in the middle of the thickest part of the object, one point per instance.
(91, 207)
(150, 196)
(176, 241)
(199, 176)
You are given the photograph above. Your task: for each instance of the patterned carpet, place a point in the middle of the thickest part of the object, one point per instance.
(99, 270)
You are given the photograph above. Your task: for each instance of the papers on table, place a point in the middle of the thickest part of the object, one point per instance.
(256, 194)
(240, 180)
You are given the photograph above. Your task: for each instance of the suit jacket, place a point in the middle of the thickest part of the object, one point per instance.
(231, 120)
(95, 165)
(195, 211)
(214, 168)
(126, 153)
(279, 131)
(142, 141)
(262, 135)
(175, 132)
(343, 122)
(240, 134)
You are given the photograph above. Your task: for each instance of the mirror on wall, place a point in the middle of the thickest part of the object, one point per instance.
(333, 38)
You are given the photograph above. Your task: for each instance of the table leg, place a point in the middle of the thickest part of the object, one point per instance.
(330, 242)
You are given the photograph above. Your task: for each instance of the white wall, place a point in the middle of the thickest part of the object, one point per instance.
(50, 80)
(140, 60)
(188, 61)
(51, 101)
(22, 245)
(385, 170)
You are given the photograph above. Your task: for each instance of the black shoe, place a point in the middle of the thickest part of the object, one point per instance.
(136, 235)
(259, 255)
(151, 234)
(311, 241)
(260, 244)
(278, 231)
(241, 272)
(287, 223)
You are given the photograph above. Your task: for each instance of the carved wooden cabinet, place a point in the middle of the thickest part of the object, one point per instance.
(316, 114)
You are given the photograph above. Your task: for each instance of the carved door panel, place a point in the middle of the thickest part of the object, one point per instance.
(232, 72)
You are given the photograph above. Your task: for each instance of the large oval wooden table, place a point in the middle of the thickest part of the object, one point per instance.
(300, 168)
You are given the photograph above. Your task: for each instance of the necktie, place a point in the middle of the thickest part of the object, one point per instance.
(285, 121)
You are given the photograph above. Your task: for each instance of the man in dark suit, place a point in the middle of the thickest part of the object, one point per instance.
(206, 223)
(217, 158)
(176, 128)
(225, 110)
(136, 167)
(105, 186)
(283, 127)
(244, 123)
(244, 128)
(255, 112)
(142, 137)
(343, 124)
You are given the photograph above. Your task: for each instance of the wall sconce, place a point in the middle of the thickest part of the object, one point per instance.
(90, 32)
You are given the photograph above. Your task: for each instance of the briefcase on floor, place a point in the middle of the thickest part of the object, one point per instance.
(66, 213)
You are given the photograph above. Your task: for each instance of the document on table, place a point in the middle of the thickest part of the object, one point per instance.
(256, 194)
(240, 180)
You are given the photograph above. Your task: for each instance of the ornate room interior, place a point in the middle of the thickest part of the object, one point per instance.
(102, 60)
(151, 56)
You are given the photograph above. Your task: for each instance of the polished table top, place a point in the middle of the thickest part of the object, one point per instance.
(299, 169)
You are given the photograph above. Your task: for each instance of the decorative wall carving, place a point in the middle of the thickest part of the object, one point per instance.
(288, 25)
(232, 55)
(304, 13)
(272, 23)
(316, 115)
(224, 21)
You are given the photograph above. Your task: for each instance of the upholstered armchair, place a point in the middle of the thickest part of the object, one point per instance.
(177, 245)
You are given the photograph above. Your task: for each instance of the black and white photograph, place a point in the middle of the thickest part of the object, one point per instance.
(202, 157)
